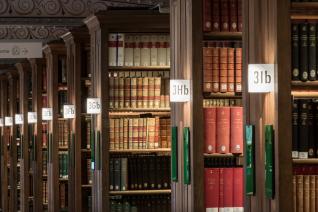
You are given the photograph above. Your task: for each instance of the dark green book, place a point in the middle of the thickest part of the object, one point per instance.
(111, 174)
(303, 129)
(312, 51)
(295, 126)
(269, 162)
(295, 51)
(117, 169)
(304, 51)
(124, 174)
(311, 130)
(250, 159)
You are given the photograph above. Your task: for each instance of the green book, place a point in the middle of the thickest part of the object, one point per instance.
(186, 155)
(174, 155)
(250, 159)
(269, 162)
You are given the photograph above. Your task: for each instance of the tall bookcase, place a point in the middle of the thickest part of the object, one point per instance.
(103, 26)
(58, 127)
(80, 86)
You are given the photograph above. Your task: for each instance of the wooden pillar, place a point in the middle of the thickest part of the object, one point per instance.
(37, 66)
(24, 72)
(266, 40)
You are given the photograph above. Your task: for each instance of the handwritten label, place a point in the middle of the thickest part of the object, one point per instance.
(8, 121)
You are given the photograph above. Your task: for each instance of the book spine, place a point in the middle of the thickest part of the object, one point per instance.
(238, 192)
(224, 15)
(133, 94)
(207, 22)
(237, 130)
(145, 92)
(240, 15)
(216, 15)
(157, 92)
(312, 63)
(210, 129)
(238, 69)
(111, 91)
(112, 48)
(312, 187)
(117, 134)
(121, 133)
(223, 129)
(311, 131)
(306, 193)
(269, 162)
(154, 50)
(295, 51)
(137, 50)
(303, 129)
(126, 131)
(120, 49)
(127, 92)
(162, 51)
(211, 189)
(121, 92)
(116, 92)
(231, 70)
(215, 69)
(117, 170)
(233, 15)
(223, 69)
(221, 191)
(144, 133)
(304, 51)
(140, 132)
(124, 174)
(294, 193)
(135, 133)
(207, 69)
(295, 128)
(145, 51)
(228, 189)
(151, 92)
(130, 133)
(129, 50)
(139, 92)
(111, 134)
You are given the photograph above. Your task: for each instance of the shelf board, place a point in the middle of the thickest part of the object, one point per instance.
(304, 10)
(222, 95)
(63, 148)
(136, 192)
(159, 150)
(45, 176)
(141, 68)
(87, 186)
(222, 35)
(218, 155)
(131, 113)
(304, 85)
(62, 88)
(306, 161)
(305, 94)
(63, 179)
(86, 150)
(140, 110)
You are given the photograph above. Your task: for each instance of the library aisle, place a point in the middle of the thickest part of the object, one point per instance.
(159, 105)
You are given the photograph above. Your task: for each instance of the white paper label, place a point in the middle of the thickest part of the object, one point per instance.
(179, 90)
(21, 50)
(18, 118)
(294, 154)
(303, 155)
(1, 122)
(32, 117)
(93, 106)
(8, 121)
(261, 78)
(47, 114)
(69, 111)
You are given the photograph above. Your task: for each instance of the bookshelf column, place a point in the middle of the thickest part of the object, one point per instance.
(37, 66)
(266, 41)
(24, 71)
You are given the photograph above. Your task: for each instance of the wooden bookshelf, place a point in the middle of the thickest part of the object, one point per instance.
(132, 113)
(140, 192)
(222, 95)
(217, 155)
(309, 161)
(222, 35)
(133, 22)
(134, 151)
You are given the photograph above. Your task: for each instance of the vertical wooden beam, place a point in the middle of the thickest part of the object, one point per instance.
(186, 35)
(12, 80)
(37, 67)
(24, 72)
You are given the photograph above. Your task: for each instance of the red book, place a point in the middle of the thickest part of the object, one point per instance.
(237, 130)
(221, 191)
(207, 69)
(212, 188)
(223, 129)
(207, 24)
(210, 129)
(223, 69)
(215, 69)
(231, 70)
(233, 15)
(215, 15)
(238, 199)
(228, 189)
(225, 15)
(238, 69)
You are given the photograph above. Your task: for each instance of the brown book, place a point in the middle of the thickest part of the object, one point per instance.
(140, 132)
(145, 93)
(151, 92)
(215, 69)
(295, 193)
(116, 92)
(133, 92)
(151, 129)
(223, 129)
(207, 25)
(88, 170)
(117, 134)
(157, 91)
(168, 127)
(157, 132)
(306, 193)
(224, 15)
(207, 69)
(121, 92)
(111, 91)
(125, 136)
(215, 15)
(300, 193)
(130, 133)
(88, 133)
(238, 69)
(223, 69)
(233, 15)
(163, 133)
(210, 130)
(112, 134)
(135, 135)
(312, 193)
(239, 15)
(167, 93)
(231, 70)
(139, 92)
(127, 92)
(121, 133)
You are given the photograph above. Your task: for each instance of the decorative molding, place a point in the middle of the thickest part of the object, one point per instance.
(45, 33)
(67, 8)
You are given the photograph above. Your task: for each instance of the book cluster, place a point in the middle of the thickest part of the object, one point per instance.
(304, 128)
(139, 90)
(222, 66)
(63, 133)
(304, 51)
(141, 172)
(140, 203)
(222, 15)
(63, 165)
(221, 102)
(140, 133)
(138, 50)
(224, 189)
(223, 130)
(305, 188)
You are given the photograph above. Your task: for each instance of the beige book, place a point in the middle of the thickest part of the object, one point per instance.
(117, 134)
(306, 193)
(300, 193)
(137, 55)
(121, 92)
(112, 48)
(140, 132)
(129, 50)
(312, 193)
(130, 133)
(145, 50)
(120, 49)
(151, 125)
(111, 134)
(145, 93)
(154, 50)
(135, 136)
(151, 92)
(126, 137)
(144, 133)
(157, 92)
(133, 92)
(162, 51)
(121, 133)
(139, 92)
(116, 92)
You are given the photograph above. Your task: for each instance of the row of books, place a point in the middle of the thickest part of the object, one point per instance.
(140, 133)
(224, 189)
(63, 165)
(63, 187)
(142, 172)
(222, 67)
(215, 162)
(304, 51)
(304, 128)
(138, 50)
(221, 102)
(223, 130)
(222, 15)
(140, 203)
(86, 132)
(138, 90)
(63, 133)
